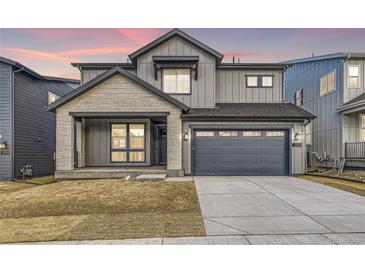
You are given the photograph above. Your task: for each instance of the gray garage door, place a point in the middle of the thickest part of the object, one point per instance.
(240, 152)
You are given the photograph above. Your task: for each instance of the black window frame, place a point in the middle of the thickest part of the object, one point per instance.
(127, 149)
(177, 67)
(259, 81)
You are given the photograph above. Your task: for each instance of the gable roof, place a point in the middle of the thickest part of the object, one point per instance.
(21, 66)
(275, 111)
(106, 75)
(61, 79)
(327, 56)
(35, 74)
(169, 35)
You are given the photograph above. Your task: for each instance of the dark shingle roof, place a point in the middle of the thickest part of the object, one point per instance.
(356, 99)
(274, 111)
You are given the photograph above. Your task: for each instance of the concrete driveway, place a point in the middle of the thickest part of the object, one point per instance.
(280, 209)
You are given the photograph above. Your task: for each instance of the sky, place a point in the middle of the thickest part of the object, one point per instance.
(50, 51)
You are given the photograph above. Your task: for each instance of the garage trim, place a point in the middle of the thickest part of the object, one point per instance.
(193, 127)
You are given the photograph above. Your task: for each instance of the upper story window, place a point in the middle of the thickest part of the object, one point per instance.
(353, 76)
(328, 83)
(258, 81)
(298, 98)
(252, 81)
(267, 81)
(52, 97)
(176, 80)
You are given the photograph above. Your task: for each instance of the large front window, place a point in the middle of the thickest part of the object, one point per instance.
(353, 79)
(127, 142)
(176, 80)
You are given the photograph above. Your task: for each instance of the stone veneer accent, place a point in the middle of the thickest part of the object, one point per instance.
(116, 94)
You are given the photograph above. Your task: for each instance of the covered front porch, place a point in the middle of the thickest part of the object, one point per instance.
(117, 145)
(353, 124)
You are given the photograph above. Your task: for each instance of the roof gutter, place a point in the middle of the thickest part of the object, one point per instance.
(350, 106)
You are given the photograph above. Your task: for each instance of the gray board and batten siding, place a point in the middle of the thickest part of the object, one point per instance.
(232, 88)
(35, 127)
(6, 124)
(326, 128)
(97, 142)
(203, 89)
(25, 124)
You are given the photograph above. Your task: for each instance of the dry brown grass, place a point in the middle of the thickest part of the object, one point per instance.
(350, 186)
(99, 209)
(6, 187)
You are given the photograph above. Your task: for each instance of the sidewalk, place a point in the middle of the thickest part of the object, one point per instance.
(296, 239)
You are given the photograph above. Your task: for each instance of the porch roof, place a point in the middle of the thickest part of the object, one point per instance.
(356, 104)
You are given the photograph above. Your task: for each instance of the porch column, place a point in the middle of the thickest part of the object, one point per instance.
(81, 142)
(174, 141)
(64, 141)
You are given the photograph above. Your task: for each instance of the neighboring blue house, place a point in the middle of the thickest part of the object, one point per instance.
(332, 87)
(27, 129)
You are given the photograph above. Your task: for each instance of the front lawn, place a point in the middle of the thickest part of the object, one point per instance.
(98, 209)
(350, 186)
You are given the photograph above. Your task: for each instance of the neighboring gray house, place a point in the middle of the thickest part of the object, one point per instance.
(332, 87)
(177, 109)
(27, 129)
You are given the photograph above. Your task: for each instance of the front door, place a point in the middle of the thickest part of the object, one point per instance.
(162, 145)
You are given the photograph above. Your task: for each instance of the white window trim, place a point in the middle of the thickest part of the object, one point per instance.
(348, 76)
(328, 91)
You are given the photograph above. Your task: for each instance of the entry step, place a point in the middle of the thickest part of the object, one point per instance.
(151, 177)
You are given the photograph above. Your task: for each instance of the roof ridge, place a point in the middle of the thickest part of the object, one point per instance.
(169, 35)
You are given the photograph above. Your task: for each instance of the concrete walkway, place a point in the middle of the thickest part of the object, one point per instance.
(277, 205)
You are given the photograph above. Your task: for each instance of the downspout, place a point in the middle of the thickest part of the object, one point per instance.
(342, 144)
(13, 123)
(283, 85)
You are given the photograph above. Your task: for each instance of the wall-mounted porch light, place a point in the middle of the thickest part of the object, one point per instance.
(186, 136)
(298, 137)
(3, 144)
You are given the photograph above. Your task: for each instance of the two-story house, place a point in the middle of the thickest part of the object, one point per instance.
(27, 129)
(177, 109)
(333, 88)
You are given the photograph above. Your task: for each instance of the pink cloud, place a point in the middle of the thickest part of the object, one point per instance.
(60, 34)
(37, 54)
(140, 36)
(96, 51)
